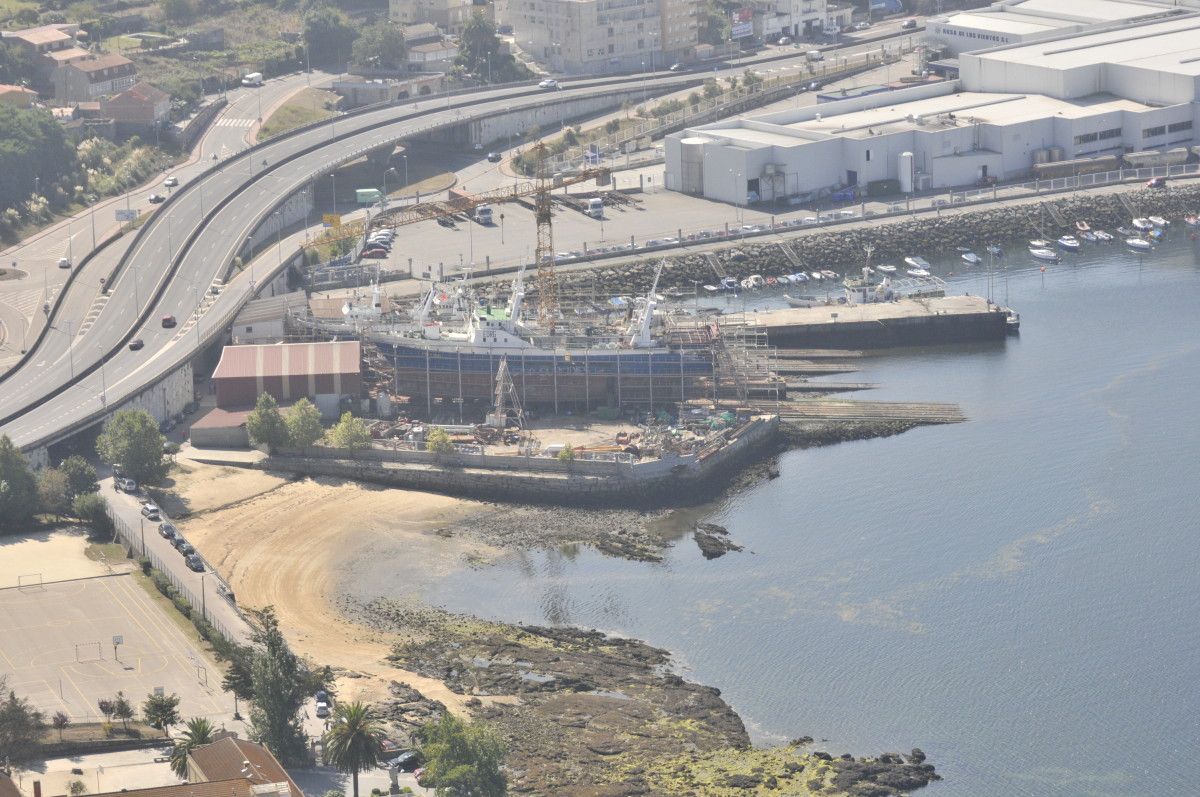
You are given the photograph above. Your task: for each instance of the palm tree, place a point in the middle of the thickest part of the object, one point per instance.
(355, 742)
(197, 732)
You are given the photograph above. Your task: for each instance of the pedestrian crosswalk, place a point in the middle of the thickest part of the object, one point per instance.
(233, 123)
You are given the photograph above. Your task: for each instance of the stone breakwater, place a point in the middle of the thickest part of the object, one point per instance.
(841, 247)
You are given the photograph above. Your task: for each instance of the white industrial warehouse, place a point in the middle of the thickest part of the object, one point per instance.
(1024, 21)
(1110, 92)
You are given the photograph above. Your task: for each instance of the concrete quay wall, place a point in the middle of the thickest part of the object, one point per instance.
(654, 483)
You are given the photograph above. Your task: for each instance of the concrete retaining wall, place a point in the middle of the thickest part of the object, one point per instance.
(657, 482)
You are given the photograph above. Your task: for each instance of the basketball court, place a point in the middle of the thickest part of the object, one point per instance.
(65, 644)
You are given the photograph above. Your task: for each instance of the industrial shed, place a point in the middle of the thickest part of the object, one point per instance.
(322, 372)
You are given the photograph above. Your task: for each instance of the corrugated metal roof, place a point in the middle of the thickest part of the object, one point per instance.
(288, 359)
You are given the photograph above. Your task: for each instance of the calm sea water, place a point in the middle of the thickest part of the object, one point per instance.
(1016, 595)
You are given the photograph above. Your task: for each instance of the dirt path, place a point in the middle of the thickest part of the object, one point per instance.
(291, 546)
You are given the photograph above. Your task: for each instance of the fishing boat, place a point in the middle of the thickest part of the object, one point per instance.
(1012, 323)
(1158, 221)
(995, 251)
(887, 269)
(1070, 243)
(1042, 253)
(1041, 243)
(917, 272)
(1102, 236)
(802, 301)
(829, 275)
(1139, 244)
(971, 259)
(753, 282)
(729, 283)
(1082, 226)
(816, 275)
(1142, 224)
(919, 263)
(799, 276)
(1126, 232)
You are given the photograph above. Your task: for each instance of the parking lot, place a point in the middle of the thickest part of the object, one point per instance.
(56, 647)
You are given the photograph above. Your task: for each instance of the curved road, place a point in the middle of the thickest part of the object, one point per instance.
(188, 243)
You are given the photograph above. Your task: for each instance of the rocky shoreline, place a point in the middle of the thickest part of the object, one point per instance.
(589, 715)
(841, 248)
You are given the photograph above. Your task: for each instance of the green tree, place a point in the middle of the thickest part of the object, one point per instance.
(81, 476)
(380, 46)
(161, 711)
(712, 88)
(751, 78)
(355, 742)
(107, 706)
(21, 728)
(92, 509)
(60, 721)
(178, 10)
(123, 710)
(197, 732)
(349, 432)
(303, 424)
(131, 439)
(437, 441)
(15, 66)
(33, 148)
(239, 679)
(567, 454)
(18, 488)
(328, 35)
(53, 492)
(281, 684)
(265, 425)
(462, 758)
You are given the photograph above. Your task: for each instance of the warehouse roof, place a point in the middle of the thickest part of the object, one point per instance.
(289, 359)
(1171, 45)
(1020, 24)
(1091, 11)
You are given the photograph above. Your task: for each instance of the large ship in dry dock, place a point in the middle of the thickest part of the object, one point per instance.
(452, 350)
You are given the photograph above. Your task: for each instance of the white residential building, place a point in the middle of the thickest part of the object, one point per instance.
(449, 15)
(1109, 92)
(592, 36)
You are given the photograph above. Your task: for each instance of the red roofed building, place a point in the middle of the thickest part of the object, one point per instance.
(322, 372)
(93, 77)
(137, 110)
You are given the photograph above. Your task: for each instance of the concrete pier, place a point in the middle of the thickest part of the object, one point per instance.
(908, 322)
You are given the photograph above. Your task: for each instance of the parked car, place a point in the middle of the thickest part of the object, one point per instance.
(908, 24)
(168, 321)
(678, 68)
(136, 344)
(156, 199)
(784, 41)
(184, 547)
(375, 253)
(864, 25)
(405, 761)
(166, 531)
(171, 181)
(127, 485)
(322, 709)
(1156, 182)
(195, 563)
(548, 83)
(64, 262)
(150, 511)
(494, 157)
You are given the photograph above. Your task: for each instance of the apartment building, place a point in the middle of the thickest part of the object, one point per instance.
(449, 15)
(592, 36)
(88, 79)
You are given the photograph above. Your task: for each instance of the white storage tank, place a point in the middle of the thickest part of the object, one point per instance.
(691, 164)
(1057, 154)
(904, 171)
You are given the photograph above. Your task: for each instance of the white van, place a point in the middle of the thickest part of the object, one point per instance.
(595, 207)
(252, 79)
(815, 55)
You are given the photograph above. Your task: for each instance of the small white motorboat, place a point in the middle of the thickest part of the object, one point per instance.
(917, 263)
(887, 269)
(1070, 243)
(829, 275)
(1143, 224)
(802, 301)
(1042, 253)
(753, 282)
(1041, 243)
(1158, 221)
(1139, 244)
(917, 272)
(995, 251)
(971, 259)
(729, 283)
(799, 276)
(1101, 235)
(816, 275)
(711, 288)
